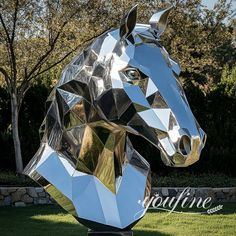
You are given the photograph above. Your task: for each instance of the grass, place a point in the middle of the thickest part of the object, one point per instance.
(175, 179)
(52, 220)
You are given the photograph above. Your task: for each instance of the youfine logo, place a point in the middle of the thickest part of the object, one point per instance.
(183, 203)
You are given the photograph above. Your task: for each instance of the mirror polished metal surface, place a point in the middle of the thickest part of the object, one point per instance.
(124, 83)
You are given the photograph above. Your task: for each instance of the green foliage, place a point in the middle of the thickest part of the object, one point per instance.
(9, 178)
(197, 36)
(177, 179)
(215, 112)
(201, 41)
(228, 82)
(174, 179)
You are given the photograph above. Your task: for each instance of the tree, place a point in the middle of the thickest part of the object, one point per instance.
(37, 35)
(201, 39)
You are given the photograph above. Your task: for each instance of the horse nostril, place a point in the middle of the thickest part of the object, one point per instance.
(184, 145)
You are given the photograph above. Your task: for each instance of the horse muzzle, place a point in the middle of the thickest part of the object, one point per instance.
(180, 148)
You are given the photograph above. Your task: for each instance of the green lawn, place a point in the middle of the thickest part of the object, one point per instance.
(52, 220)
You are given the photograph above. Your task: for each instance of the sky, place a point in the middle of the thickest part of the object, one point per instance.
(210, 3)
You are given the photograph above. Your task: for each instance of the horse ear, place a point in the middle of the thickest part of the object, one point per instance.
(159, 20)
(128, 22)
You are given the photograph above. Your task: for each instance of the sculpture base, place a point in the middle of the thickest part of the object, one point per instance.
(110, 233)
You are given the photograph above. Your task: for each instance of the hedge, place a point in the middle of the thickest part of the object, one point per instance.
(214, 111)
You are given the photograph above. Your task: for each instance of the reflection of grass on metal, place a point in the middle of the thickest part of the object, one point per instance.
(52, 220)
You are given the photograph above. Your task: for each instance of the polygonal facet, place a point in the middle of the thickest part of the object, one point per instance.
(122, 84)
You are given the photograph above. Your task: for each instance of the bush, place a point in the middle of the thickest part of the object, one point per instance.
(9, 178)
(30, 119)
(190, 180)
(215, 112)
(216, 115)
(175, 179)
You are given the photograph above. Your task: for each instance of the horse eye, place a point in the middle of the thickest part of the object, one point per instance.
(132, 74)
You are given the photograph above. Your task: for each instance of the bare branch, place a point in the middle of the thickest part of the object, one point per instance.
(227, 14)
(14, 21)
(52, 46)
(10, 50)
(65, 56)
(54, 64)
(24, 86)
(5, 28)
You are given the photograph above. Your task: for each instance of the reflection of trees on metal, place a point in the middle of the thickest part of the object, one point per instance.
(123, 83)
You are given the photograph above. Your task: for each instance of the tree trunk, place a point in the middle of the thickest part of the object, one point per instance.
(15, 133)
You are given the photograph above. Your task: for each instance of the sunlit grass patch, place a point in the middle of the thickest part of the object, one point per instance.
(52, 220)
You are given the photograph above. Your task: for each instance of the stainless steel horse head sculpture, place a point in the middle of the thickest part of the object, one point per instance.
(124, 83)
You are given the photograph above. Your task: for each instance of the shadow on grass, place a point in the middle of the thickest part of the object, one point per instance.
(63, 228)
(46, 221)
(53, 220)
(150, 233)
(38, 221)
